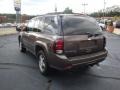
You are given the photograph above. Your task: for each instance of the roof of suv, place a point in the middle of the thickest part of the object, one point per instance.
(80, 15)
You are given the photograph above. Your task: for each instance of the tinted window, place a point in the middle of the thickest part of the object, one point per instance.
(30, 25)
(51, 20)
(50, 25)
(80, 25)
(40, 24)
(37, 25)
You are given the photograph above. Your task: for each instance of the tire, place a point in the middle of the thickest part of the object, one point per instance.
(22, 48)
(43, 65)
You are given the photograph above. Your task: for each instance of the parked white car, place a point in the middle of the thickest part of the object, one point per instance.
(102, 25)
(1, 25)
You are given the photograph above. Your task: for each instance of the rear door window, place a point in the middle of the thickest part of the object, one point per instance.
(50, 25)
(36, 25)
(80, 25)
(30, 25)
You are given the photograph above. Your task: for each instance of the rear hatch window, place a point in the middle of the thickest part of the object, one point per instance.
(80, 25)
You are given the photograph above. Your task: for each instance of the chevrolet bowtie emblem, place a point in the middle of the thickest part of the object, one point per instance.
(89, 39)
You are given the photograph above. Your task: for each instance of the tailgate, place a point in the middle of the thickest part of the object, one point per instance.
(77, 45)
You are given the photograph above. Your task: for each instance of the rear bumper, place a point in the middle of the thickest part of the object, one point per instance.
(62, 62)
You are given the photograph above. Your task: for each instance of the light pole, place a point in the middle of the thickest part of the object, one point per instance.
(17, 7)
(84, 7)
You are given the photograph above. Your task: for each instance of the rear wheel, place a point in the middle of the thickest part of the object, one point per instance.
(43, 65)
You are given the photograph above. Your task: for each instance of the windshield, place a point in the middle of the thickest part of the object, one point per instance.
(80, 25)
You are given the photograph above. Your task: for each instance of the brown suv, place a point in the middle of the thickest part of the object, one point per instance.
(63, 41)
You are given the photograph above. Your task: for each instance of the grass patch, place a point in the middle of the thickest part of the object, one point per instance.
(7, 31)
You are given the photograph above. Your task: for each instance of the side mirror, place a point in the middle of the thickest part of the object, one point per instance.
(24, 29)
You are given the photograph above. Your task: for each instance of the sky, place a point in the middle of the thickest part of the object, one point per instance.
(37, 7)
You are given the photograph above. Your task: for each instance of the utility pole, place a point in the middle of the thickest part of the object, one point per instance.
(55, 8)
(84, 7)
(104, 9)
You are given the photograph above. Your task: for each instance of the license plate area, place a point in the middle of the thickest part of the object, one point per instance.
(87, 44)
(86, 47)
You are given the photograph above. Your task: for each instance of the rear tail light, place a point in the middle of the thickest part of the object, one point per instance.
(58, 46)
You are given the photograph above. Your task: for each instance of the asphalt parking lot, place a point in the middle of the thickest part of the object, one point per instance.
(19, 71)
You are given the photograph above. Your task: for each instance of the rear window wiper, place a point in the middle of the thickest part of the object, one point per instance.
(89, 34)
(97, 34)
(92, 34)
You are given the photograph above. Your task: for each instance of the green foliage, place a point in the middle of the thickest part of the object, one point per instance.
(116, 18)
(109, 12)
(68, 11)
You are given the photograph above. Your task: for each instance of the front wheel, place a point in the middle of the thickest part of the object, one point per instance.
(43, 65)
(22, 48)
